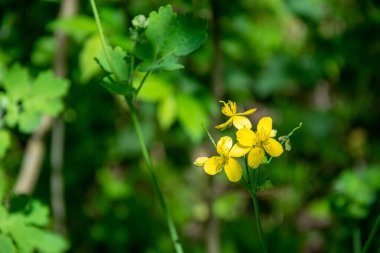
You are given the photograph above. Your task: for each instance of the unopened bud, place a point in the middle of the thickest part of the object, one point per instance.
(140, 22)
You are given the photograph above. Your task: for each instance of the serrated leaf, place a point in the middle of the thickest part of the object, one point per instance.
(168, 37)
(21, 226)
(186, 35)
(6, 245)
(29, 121)
(121, 89)
(48, 86)
(25, 236)
(118, 57)
(38, 214)
(159, 27)
(167, 112)
(91, 49)
(16, 82)
(288, 145)
(5, 141)
(192, 115)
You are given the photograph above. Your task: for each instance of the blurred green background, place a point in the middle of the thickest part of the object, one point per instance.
(309, 61)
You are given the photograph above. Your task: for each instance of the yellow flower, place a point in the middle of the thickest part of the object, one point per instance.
(238, 119)
(257, 143)
(225, 160)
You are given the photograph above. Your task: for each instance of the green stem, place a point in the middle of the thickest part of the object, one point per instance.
(287, 137)
(103, 40)
(144, 149)
(209, 135)
(142, 82)
(148, 161)
(371, 235)
(253, 190)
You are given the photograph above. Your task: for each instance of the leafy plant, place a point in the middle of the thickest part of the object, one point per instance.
(25, 230)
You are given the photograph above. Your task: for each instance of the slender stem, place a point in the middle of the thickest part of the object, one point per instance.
(148, 161)
(142, 82)
(209, 135)
(256, 206)
(103, 40)
(287, 137)
(144, 149)
(371, 235)
(356, 239)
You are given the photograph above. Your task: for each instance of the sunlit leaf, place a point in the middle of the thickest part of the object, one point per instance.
(78, 26)
(154, 89)
(6, 245)
(88, 66)
(192, 115)
(119, 59)
(167, 112)
(17, 82)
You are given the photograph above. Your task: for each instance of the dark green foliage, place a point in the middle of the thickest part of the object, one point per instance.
(308, 61)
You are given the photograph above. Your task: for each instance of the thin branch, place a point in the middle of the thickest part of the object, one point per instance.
(32, 160)
(68, 8)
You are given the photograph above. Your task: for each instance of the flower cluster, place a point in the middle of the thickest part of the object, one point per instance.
(250, 143)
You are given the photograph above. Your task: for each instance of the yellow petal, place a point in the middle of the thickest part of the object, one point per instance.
(250, 111)
(239, 150)
(255, 156)
(241, 122)
(224, 125)
(229, 109)
(233, 170)
(265, 126)
(224, 145)
(200, 161)
(246, 137)
(273, 147)
(214, 165)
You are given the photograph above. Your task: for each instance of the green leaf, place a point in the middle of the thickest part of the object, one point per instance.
(159, 26)
(154, 89)
(29, 121)
(167, 112)
(79, 27)
(186, 35)
(45, 98)
(6, 244)
(119, 59)
(288, 145)
(91, 49)
(12, 116)
(121, 89)
(51, 243)
(22, 228)
(38, 214)
(168, 37)
(5, 141)
(192, 115)
(17, 82)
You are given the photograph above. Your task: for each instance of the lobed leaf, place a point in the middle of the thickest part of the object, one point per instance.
(169, 36)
